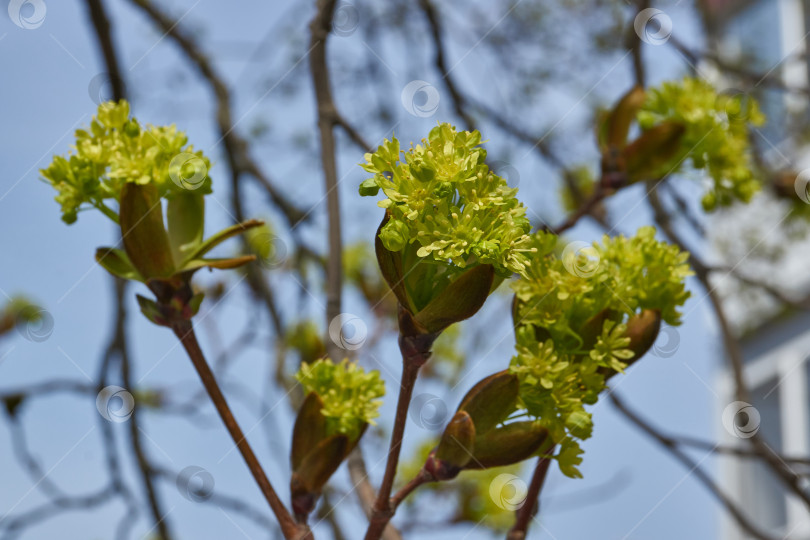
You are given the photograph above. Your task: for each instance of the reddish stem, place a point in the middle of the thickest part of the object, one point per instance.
(383, 512)
(185, 333)
(526, 512)
(422, 478)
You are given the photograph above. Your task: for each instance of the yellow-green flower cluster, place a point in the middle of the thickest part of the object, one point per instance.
(560, 293)
(116, 149)
(570, 319)
(443, 198)
(715, 137)
(350, 395)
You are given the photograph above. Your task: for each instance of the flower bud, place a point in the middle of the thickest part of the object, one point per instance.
(645, 157)
(394, 235)
(508, 444)
(455, 448)
(491, 400)
(642, 329)
(622, 116)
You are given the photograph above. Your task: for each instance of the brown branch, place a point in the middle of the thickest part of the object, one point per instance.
(118, 345)
(235, 145)
(586, 208)
(526, 513)
(101, 24)
(319, 29)
(328, 118)
(383, 512)
(352, 132)
(225, 502)
(772, 79)
(327, 513)
(685, 440)
(789, 478)
(802, 303)
(634, 43)
(440, 61)
(365, 492)
(423, 477)
(185, 333)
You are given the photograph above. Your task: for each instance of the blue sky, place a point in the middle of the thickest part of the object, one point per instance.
(44, 96)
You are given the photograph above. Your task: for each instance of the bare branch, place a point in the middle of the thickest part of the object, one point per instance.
(694, 468)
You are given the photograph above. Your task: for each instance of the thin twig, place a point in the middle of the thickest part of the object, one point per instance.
(185, 333)
(440, 61)
(790, 479)
(383, 511)
(235, 145)
(118, 342)
(365, 492)
(695, 469)
(119, 345)
(101, 24)
(423, 477)
(526, 513)
(319, 29)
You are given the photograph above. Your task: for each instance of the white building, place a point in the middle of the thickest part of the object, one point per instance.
(766, 37)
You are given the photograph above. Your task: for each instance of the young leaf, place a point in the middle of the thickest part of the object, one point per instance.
(144, 236)
(309, 429)
(320, 463)
(646, 156)
(460, 300)
(623, 115)
(507, 445)
(185, 214)
(116, 262)
(491, 400)
(221, 236)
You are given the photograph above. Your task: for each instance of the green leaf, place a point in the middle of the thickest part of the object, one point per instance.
(185, 214)
(195, 302)
(143, 234)
(223, 235)
(116, 262)
(491, 400)
(569, 458)
(460, 300)
(222, 264)
(623, 115)
(506, 445)
(151, 310)
(642, 329)
(647, 157)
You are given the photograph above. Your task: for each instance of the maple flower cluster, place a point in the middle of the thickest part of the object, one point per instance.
(715, 137)
(442, 197)
(116, 149)
(350, 395)
(571, 318)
